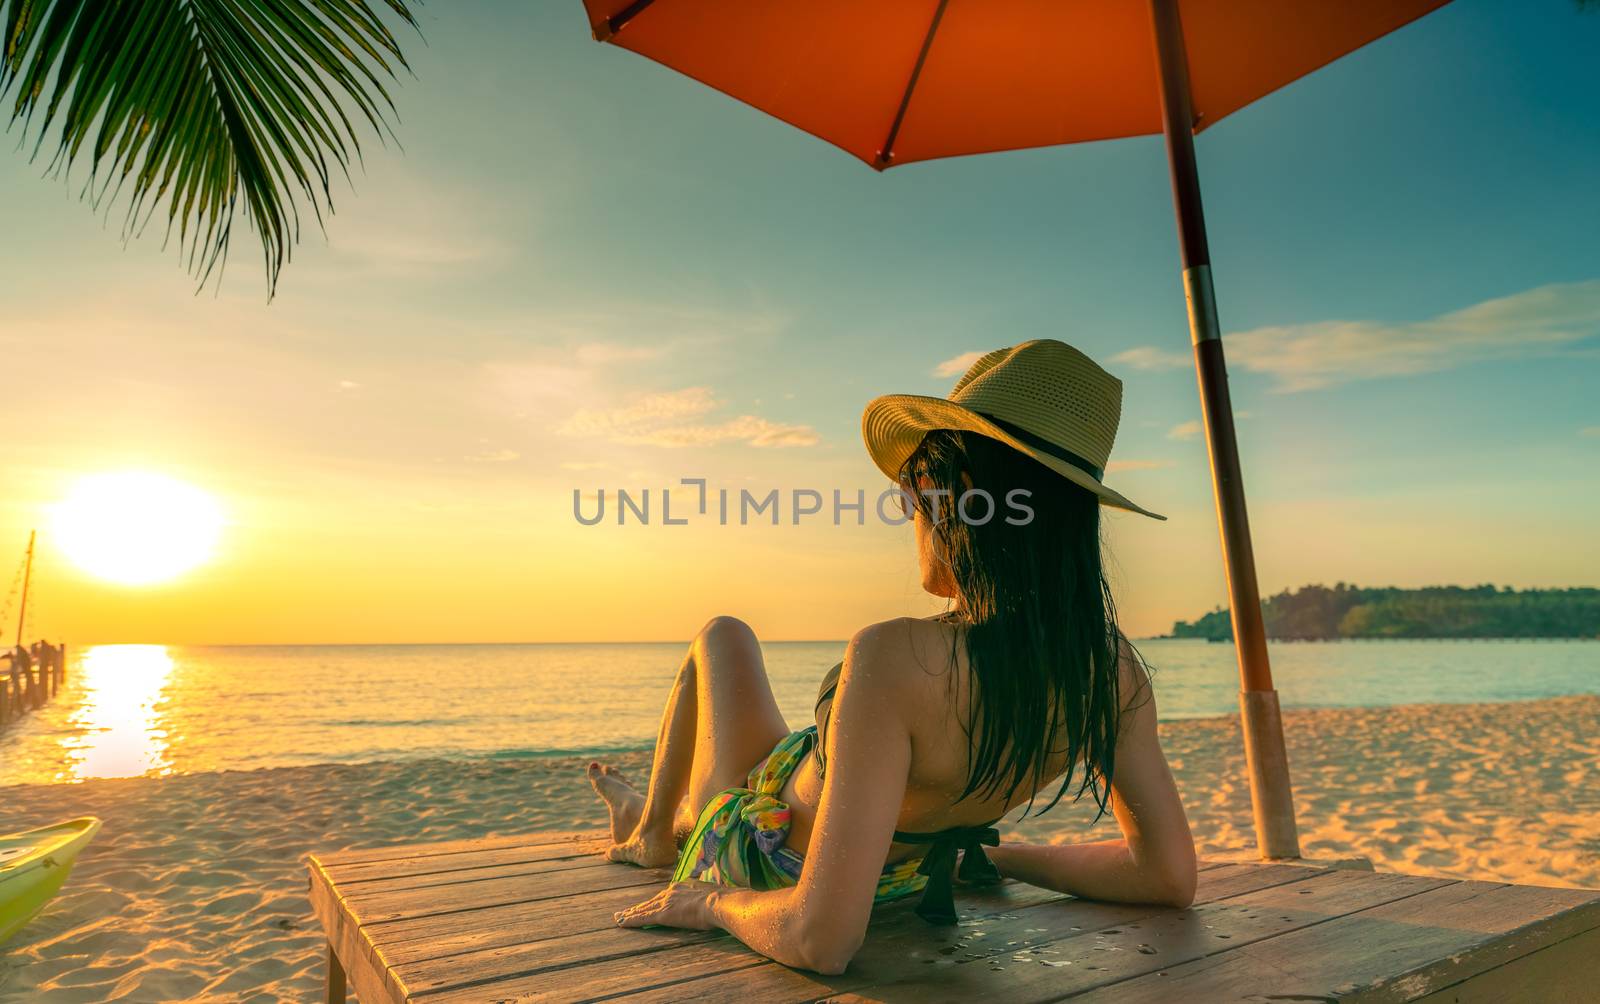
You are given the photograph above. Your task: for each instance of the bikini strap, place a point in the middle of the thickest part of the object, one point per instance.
(938, 903)
(830, 686)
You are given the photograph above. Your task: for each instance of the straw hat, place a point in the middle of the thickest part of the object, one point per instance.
(1042, 397)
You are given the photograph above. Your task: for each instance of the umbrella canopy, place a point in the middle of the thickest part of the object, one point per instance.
(897, 81)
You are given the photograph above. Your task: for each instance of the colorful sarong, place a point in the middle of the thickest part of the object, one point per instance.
(740, 838)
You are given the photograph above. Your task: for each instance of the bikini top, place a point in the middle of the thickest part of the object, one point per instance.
(938, 905)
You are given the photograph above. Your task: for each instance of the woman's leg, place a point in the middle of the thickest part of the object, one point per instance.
(720, 720)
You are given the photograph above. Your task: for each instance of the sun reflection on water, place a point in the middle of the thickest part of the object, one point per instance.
(119, 727)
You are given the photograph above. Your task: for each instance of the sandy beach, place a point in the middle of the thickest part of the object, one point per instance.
(195, 888)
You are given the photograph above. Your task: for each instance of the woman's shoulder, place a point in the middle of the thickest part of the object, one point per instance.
(905, 634)
(892, 651)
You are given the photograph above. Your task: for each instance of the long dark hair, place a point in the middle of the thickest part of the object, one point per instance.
(1041, 639)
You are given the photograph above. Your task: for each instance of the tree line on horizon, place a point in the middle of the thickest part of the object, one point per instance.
(1320, 613)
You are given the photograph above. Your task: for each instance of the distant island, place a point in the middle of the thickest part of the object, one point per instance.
(1318, 613)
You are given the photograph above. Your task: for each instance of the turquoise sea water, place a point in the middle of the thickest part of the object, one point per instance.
(138, 709)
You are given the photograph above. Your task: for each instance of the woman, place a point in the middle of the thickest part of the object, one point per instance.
(931, 729)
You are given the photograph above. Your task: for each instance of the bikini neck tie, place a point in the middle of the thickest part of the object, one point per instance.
(938, 903)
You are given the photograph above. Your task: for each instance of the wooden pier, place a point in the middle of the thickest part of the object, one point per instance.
(29, 676)
(529, 919)
(26, 684)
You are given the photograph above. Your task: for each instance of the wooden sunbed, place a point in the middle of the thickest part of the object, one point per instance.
(529, 918)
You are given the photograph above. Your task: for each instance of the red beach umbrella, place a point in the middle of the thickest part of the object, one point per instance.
(892, 82)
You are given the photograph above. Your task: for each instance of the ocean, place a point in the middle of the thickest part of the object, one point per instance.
(131, 710)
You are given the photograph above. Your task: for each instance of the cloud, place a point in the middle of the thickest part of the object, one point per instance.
(584, 465)
(1185, 430)
(747, 429)
(1148, 357)
(1326, 353)
(1137, 465)
(663, 419)
(646, 410)
(580, 357)
(957, 365)
(1309, 356)
(1590, 431)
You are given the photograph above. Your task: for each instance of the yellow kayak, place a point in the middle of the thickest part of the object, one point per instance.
(33, 864)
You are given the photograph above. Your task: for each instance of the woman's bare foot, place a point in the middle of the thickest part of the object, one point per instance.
(622, 800)
(647, 850)
(629, 844)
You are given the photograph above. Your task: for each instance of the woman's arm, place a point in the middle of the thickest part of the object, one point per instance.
(820, 923)
(1154, 862)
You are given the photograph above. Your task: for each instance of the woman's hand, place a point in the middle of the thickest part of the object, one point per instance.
(681, 904)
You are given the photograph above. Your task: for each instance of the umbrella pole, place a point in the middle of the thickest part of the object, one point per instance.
(1270, 794)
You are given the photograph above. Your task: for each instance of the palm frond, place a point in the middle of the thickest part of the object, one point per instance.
(203, 107)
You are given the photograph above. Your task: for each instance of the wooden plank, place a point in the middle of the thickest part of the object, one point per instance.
(601, 980)
(1391, 952)
(350, 923)
(517, 942)
(1509, 923)
(548, 956)
(528, 918)
(468, 896)
(575, 975)
(553, 918)
(545, 950)
(1566, 971)
(359, 893)
(345, 875)
(364, 971)
(401, 851)
(903, 949)
(586, 933)
(440, 934)
(346, 918)
(1112, 954)
(370, 971)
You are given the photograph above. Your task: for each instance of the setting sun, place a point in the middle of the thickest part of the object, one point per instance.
(137, 528)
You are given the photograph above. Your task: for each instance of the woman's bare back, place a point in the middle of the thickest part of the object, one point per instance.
(930, 669)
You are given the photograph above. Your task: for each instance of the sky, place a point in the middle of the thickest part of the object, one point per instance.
(578, 270)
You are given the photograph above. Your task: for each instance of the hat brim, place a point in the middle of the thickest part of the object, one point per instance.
(893, 427)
